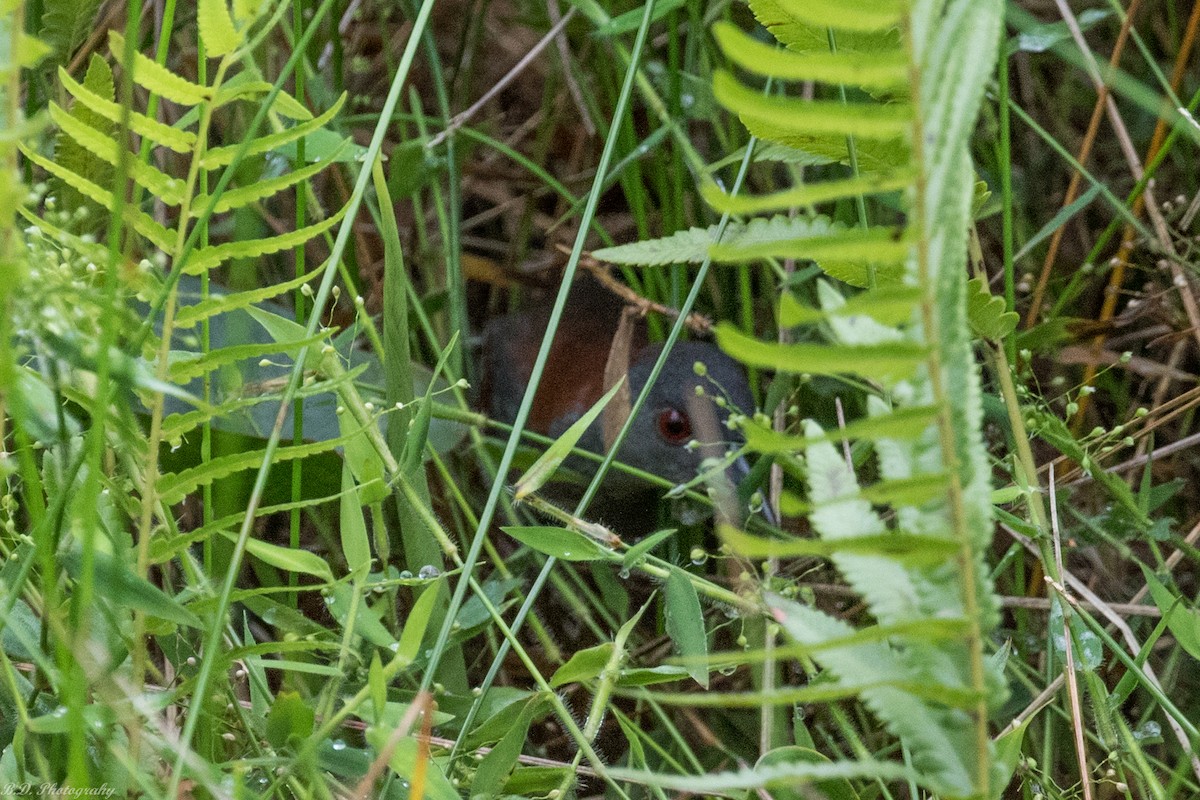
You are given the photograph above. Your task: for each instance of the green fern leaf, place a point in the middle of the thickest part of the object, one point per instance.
(862, 120)
(208, 257)
(244, 196)
(882, 70)
(887, 362)
(188, 366)
(173, 487)
(887, 305)
(217, 32)
(158, 133)
(806, 194)
(844, 254)
(159, 236)
(788, 25)
(70, 153)
(933, 732)
(222, 156)
(849, 15)
(691, 246)
(987, 314)
(102, 146)
(189, 315)
(158, 79)
(65, 24)
(884, 155)
(176, 426)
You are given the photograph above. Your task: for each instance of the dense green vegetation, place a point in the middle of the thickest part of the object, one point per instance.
(261, 538)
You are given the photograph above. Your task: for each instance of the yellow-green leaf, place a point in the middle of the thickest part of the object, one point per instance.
(217, 32)
(158, 79)
(861, 120)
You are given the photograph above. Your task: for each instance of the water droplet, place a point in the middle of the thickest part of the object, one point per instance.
(338, 744)
(405, 575)
(699, 556)
(624, 574)
(428, 572)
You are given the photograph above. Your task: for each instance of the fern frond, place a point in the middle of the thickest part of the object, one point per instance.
(223, 156)
(164, 135)
(103, 147)
(189, 315)
(140, 220)
(245, 195)
(153, 76)
(208, 257)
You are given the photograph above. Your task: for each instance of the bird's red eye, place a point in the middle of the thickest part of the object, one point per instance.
(674, 426)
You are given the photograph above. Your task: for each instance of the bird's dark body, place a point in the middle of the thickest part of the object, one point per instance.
(573, 381)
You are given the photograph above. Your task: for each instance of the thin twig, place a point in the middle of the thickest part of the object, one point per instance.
(1069, 658)
(463, 117)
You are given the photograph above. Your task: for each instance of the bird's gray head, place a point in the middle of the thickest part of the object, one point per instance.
(675, 414)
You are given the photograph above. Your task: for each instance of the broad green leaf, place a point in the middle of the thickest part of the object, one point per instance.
(222, 156)
(496, 765)
(205, 258)
(561, 543)
(356, 544)
(123, 588)
(652, 676)
(158, 79)
(886, 362)
(833, 789)
(403, 762)
(290, 720)
(1182, 621)
(544, 468)
(285, 558)
(345, 599)
(415, 625)
(377, 684)
(632, 20)
(634, 555)
(685, 624)
(583, 665)
(217, 32)
(501, 706)
(886, 69)
(159, 134)
(286, 105)
(987, 313)
(1041, 37)
(862, 120)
